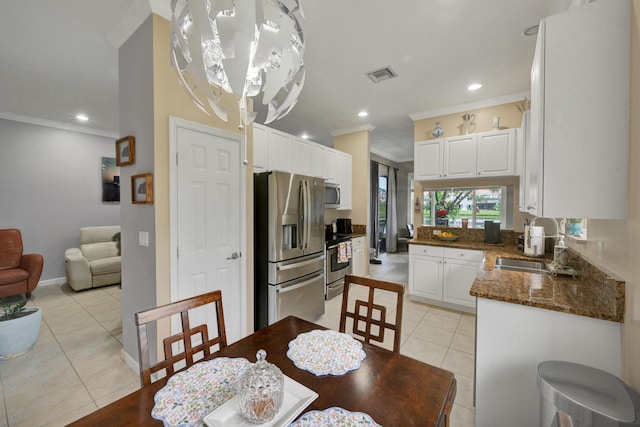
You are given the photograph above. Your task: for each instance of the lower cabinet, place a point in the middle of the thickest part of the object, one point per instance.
(443, 276)
(358, 257)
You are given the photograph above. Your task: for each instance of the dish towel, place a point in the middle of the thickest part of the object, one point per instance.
(344, 252)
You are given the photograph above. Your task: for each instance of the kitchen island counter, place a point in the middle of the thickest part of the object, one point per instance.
(592, 293)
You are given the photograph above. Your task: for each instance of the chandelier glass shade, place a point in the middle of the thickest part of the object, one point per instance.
(242, 47)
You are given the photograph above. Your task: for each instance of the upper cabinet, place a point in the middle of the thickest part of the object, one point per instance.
(467, 156)
(576, 156)
(274, 150)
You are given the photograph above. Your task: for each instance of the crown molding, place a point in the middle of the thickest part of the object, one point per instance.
(133, 17)
(386, 155)
(345, 131)
(514, 97)
(57, 125)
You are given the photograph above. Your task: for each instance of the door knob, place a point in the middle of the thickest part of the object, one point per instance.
(234, 255)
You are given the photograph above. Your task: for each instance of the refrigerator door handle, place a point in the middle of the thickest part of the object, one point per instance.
(299, 264)
(282, 290)
(307, 215)
(301, 214)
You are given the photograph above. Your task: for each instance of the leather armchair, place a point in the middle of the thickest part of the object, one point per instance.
(19, 274)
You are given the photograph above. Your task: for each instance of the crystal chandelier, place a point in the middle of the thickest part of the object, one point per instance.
(242, 47)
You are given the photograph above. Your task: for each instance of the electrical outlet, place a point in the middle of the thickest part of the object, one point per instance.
(436, 232)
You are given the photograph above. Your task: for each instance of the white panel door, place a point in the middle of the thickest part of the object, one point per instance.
(460, 157)
(208, 210)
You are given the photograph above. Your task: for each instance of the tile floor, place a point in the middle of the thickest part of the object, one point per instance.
(76, 368)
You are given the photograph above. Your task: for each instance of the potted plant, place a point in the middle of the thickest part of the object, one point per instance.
(441, 217)
(19, 326)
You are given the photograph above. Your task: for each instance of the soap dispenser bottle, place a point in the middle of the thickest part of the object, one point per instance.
(560, 253)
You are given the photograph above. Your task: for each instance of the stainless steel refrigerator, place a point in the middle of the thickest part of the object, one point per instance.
(289, 247)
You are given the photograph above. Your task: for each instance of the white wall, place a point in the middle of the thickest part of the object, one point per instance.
(50, 186)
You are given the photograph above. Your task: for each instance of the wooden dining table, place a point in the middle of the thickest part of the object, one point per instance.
(393, 389)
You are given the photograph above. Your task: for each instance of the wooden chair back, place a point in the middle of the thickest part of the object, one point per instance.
(372, 322)
(182, 308)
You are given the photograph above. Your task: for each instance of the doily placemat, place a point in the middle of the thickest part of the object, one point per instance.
(326, 352)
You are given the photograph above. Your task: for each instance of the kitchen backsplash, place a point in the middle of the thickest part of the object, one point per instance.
(359, 228)
(507, 237)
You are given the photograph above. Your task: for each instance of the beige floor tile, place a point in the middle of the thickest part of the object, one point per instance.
(118, 394)
(433, 334)
(464, 394)
(440, 321)
(56, 403)
(84, 346)
(446, 312)
(114, 327)
(459, 362)
(424, 351)
(42, 358)
(107, 316)
(90, 363)
(466, 343)
(462, 417)
(4, 422)
(110, 379)
(467, 325)
(39, 382)
(72, 416)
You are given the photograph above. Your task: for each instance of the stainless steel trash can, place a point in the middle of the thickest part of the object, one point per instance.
(574, 395)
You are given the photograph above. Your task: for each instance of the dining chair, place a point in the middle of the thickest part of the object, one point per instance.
(186, 336)
(373, 315)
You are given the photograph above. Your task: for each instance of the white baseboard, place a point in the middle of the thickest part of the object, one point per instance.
(130, 361)
(56, 281)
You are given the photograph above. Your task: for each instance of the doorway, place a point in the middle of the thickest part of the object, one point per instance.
(207, 211)
(383, 193)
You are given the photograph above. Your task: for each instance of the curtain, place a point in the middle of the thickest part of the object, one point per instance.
(392, 216)
(373, 200)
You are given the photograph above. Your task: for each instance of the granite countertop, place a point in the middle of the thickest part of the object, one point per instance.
(591, 293)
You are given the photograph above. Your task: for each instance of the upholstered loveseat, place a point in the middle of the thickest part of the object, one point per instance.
(97, 261)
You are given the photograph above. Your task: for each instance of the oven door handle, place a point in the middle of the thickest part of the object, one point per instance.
(297, 286)
(299, 264)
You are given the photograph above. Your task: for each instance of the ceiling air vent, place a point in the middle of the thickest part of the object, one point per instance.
(382, 74)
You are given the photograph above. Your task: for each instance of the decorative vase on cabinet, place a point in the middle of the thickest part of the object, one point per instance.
(437, 131)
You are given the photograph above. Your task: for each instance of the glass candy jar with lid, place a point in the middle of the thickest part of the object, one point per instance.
(261, 390)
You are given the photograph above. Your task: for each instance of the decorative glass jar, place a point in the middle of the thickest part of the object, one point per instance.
(261, 390)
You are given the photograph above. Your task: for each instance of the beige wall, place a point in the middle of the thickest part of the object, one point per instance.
(170, 99)
(510, 118)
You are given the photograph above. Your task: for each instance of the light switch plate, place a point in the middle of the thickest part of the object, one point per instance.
(143, 238)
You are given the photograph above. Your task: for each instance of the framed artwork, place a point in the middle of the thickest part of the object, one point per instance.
(125, 151)
(110, 180)
(142, 189)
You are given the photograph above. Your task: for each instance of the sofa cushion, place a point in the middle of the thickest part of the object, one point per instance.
(105, 266)
(13, 275)
(96, 251)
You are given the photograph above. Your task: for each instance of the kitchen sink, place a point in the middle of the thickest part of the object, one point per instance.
(521, 265)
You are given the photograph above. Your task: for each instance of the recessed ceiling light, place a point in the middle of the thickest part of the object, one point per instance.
(82, 117)
(304, 136)
(363, 114)
(474, 86)
(530, 31)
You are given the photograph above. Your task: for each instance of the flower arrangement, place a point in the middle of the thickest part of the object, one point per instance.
(442, 213)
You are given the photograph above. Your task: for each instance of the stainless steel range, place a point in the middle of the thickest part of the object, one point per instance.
(334, 270)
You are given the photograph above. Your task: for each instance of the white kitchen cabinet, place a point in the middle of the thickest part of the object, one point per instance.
(483, 154)
(280, 151)
(576, 158)
(512, 340)
(345, 179)
(460, 157)
(522, 135)
(331, 157)
(496, 153)
(260, 148)
(318, 162)
(427, 156)
(358, 256)
(301, 156)
(443, 276)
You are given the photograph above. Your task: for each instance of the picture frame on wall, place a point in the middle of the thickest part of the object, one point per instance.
(126, 151)
(142, 189)
(110, 180)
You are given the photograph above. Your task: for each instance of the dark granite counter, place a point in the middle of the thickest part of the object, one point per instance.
(591, 293)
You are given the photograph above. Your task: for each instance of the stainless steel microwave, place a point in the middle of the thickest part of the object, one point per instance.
(331, 195)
